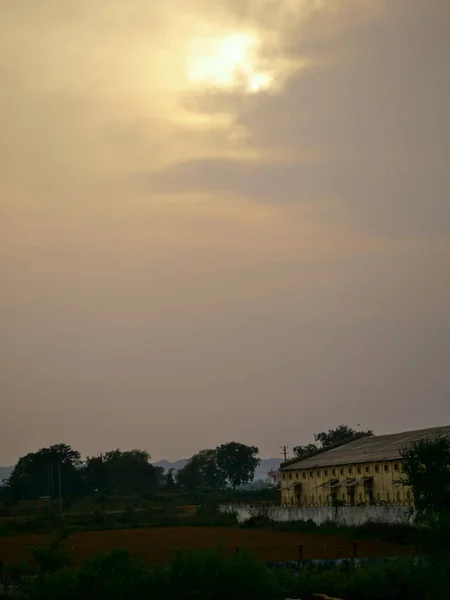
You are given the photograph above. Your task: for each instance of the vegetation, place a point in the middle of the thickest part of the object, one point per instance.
(232, 463)
(329, 438)
(201, 472)
(426, 469)
(219, 575)
(57, 472)
(38, 473)
(237, 462)
(121, 473)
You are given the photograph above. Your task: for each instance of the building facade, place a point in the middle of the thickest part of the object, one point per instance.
(367, 470)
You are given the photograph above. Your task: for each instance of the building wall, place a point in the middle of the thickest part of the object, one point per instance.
(346, 515)
(304, 487)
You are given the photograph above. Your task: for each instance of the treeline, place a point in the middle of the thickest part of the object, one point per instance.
(59, 471)
(328, 439)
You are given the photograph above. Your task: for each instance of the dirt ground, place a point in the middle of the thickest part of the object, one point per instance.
(158, 545)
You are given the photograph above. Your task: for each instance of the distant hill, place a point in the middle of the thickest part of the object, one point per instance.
(266, 465)
(5, 472)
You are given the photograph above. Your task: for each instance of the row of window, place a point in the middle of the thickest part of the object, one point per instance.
(349, 498)
(361, 497)
(342, 471)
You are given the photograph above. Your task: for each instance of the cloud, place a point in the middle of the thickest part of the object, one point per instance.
(367, 126)
(170, 250)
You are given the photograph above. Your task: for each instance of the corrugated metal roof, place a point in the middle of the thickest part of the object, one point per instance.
(367, 449)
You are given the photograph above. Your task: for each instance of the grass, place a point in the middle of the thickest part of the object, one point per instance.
(220, 575)
(205, 516)
(385, 532)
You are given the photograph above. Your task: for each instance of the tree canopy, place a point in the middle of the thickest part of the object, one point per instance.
(426, 469)
(37, 473)
(325, 439)
(201, 472)
(237, 462)
(121, 472)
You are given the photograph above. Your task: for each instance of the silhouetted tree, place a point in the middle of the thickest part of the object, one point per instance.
(129, 472)
(299, 451)
(36, 474)
(237, 462)
(337, 435)
(201, 472)
(170, 484)
(426, 469)
(325, 439)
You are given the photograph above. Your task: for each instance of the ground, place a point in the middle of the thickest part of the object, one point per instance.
(158, 545)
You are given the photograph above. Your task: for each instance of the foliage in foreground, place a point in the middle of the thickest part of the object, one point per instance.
(221, 575)
(426, 469)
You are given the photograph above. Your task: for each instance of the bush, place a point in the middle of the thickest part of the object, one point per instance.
(219, 575)
(211, 575)
(216, 575)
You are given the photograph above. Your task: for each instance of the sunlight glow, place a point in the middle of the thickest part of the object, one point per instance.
(227, 62)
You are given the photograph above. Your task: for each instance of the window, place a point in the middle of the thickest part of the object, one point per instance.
(311, 474)
(290, 475)
(360, 497)
(367, 469)
(398, 496)
(284, 476)
(408, 495)
(313, 499)
(305, 499)
(395, 466)
(304, 474)
(333, 472)
(318, 473)
(296, 476)
(388, 497)
(377, 468)
(325, 473)
(343, 497)
(350, 470)
(341, 471)
(320, 498)
(386, 468)
(358, 470)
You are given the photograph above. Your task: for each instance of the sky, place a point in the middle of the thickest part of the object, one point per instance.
(222, 220)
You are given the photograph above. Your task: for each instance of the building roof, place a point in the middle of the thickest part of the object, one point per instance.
(366, 449)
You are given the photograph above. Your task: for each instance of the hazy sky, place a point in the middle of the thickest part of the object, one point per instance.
(222, 220)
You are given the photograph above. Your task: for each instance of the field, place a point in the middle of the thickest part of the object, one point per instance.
(158, 545)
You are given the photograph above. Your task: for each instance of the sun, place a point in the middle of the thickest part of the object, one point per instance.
(229, 61)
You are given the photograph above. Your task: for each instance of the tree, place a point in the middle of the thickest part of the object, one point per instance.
(325, 439)
(120, 472)
(300, 451)
(170, 483)
(337, 435)
(237, 462)
(426, 470)
(37, 473)
(201, 471)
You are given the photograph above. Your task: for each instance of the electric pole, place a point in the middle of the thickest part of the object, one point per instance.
(59, 485)
(284, 450)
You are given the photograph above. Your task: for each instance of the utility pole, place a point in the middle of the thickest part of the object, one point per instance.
(284, 450)
(59, 485)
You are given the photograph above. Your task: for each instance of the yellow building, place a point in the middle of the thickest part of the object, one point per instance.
(366, 470)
